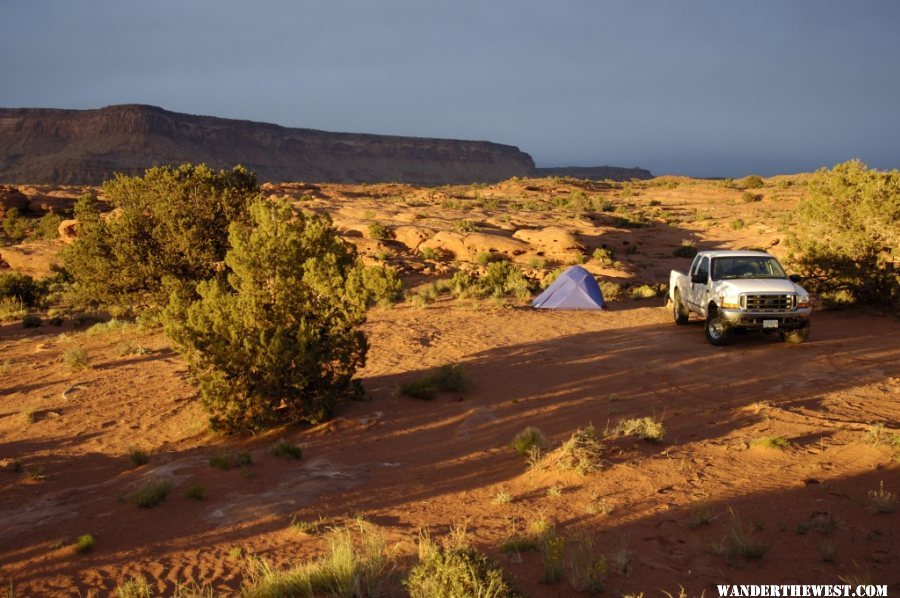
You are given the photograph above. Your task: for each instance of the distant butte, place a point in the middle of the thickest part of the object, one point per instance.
(85, 147)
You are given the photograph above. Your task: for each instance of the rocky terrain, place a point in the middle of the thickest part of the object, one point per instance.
(88, 146)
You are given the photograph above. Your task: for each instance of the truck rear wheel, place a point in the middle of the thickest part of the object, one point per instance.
(717, 331)
(796, 336)
(679, 311)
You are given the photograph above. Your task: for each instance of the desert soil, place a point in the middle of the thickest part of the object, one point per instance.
(655, 510)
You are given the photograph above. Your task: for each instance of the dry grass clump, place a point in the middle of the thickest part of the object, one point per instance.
(458, 570)
(356, 564)
(645, 428)
(772, 442)
(134, 587)
(582, 452)
(879, 435)
(76, 359)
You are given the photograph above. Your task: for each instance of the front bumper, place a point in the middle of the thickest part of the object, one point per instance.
(787, 320)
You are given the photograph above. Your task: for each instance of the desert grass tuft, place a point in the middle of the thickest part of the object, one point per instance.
(226, 460)
(138, 456)
(150, 494)
(527, 440)
(284, 449)
(586, 571)
(881, 500)
(195, 491)
(737, 545)
(701, 515)
(356, 564)
(552, 550)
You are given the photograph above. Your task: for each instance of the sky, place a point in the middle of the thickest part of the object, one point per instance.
(697, 87)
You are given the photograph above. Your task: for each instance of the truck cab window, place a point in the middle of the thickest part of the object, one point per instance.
(703, 268)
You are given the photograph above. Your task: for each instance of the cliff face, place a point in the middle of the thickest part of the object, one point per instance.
(88, 146)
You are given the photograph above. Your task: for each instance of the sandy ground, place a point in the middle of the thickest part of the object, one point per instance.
(407, 464)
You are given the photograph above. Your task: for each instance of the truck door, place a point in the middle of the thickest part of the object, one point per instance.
(700, 290)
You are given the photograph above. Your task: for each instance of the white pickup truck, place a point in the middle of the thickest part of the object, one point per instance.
(740, 290)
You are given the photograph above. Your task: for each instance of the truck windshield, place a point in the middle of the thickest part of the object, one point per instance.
(746, 267)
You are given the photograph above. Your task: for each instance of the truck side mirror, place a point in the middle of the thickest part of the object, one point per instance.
(795, 278)
(698, 278)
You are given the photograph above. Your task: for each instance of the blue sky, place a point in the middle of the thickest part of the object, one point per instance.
(704, 88)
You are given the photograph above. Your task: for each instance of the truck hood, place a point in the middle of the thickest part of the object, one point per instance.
(759, 285)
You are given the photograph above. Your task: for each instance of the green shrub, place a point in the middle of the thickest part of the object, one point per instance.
(12, 308)
(448, 378)
(737, 224)
(773, 442)
(752, 182)
(382, 284)
(502, 279)
(529, 440)
(846, 239)
(748, 197)
(685, 250)
(14, 227)
(22, 287)
(458, 572)
(47, 227)
(150, 494)
(380, 232)
(279, 340)
(611, 290)
(430, 253)
(284, 449)
(32, 321)
(169, 231)
(84, 543)
(604, 255)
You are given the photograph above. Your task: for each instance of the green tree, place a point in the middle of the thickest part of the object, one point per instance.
(847, 232)
(169, 228)
(278, 339)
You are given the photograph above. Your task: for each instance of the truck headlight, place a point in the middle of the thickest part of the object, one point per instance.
(802, 300)
(729, 302)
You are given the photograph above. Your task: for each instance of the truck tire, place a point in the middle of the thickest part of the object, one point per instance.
(796, 336)
(679, 312)
(717, 331)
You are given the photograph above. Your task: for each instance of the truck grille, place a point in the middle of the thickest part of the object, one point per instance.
(768, 303)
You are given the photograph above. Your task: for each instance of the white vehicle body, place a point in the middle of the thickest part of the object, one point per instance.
(740, 290)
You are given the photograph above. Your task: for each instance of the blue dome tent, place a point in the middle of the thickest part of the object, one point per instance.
(574, 289)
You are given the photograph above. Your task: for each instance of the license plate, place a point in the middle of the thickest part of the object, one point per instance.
(770, 323)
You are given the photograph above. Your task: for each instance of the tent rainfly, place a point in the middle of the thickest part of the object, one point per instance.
(574, 289)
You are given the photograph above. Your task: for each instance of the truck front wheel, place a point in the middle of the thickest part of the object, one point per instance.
(796, 336)
(717, 331)
(679, 311)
